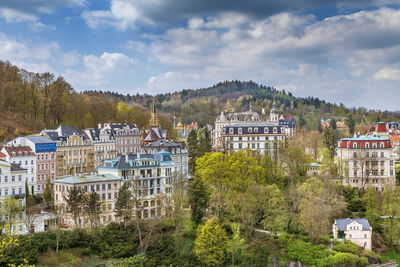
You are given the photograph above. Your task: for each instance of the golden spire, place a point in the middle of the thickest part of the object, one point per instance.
(154, 122)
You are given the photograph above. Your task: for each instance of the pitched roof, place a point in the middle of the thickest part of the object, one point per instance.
(25, 150)
(380, 127)
(16, 167)
(342, 223)
(88, 179)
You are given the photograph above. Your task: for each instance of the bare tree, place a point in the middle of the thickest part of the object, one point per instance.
(365, 166)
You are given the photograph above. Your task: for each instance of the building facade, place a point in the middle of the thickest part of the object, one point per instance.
(75, 151)
(357, 231)
(263, 138)
(151, 178)
(45, 151)
(178, 150)
(127, 137)
(105, 185)
(367, 161)
(250, 118)
(103, 144)
(25, 158)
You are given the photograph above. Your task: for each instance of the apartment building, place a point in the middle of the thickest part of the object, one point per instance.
(105, 185)
(75, 151)
(45, 151)
(150, 177)
(263, 138)
(367, 161)
(103, 144)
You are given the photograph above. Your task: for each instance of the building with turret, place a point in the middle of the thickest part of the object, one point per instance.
(251, 118)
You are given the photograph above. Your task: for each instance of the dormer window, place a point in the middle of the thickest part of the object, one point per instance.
(367, 145)
(266, 130)
(382, 145)
(374, 145)
(250, 130)
(239, 130)
(255, 130)
(354, 145)
(275, 130)
(230, 130)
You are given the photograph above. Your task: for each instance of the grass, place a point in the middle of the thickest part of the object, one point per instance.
(390, 255)
(70, 257)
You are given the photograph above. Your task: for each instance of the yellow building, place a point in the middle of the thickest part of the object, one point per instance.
(75, 152)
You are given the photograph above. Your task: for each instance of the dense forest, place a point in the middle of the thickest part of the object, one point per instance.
(33, 101)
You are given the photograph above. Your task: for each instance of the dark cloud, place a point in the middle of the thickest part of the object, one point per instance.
(166, 11)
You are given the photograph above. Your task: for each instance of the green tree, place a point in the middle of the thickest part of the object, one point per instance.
(391, 209)
(274, 208)
(74, 199)
(372, 203)
(329, 140)
(210, 243)
(193, 146)
(204, 142)
(296, 162)
(10, 208)
(351, 123)
(92, 208)
(123, 205)
(236, 245)
(333, 124)
(48, 193)
(198, 199)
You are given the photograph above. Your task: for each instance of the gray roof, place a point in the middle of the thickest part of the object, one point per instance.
(342, 223)
(88, 179)
(16, 167)
(39, 139)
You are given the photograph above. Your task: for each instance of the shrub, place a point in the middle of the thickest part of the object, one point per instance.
(347, 247)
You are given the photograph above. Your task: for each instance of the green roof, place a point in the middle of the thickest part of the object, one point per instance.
(88, 179)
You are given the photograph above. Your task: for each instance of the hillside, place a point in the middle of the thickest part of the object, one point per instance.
(33, 101)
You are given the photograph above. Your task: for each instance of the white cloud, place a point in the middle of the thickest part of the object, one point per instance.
(11, 15)
(122, 15)
(387, 74)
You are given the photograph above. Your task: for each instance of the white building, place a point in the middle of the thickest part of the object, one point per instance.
(366, 161)
(26, 159)
(251, 117)
(357, 231)
(45, 151)
(264, 138)
(151, 178)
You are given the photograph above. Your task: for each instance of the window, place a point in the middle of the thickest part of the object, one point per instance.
(382, 154)
(354, 145)
(230, 130)
(275, 130)
(367, 145)
(391, 163)
(355, 173)
(354, 155)
(239, 130)
(354, 163)
(382, 145)
(391, 172)
(250, 130)
(266, 130)
(255, 129)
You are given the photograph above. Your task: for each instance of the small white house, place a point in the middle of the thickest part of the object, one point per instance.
(357, 231)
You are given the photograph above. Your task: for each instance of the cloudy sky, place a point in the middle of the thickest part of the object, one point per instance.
(339, 50)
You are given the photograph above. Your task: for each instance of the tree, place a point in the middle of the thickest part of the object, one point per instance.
(365, 166)
(391, 209)
(123, 205)
(351, 123)
(74, 199)
(210, 243)
(333, 124)
(204, 142)
(319, 203)
(48, 192)
(296, 162)
(329, 140)
(235, 245)
(274, 209)
(31, 212)
(10, 208)
(198, 199)
(92, 208)
(193, 146)
(372, 204)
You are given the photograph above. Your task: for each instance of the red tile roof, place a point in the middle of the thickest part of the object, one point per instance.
(380, 127)
(25, 150)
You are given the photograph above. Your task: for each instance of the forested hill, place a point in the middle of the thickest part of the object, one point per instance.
(202, 105)
(30, 102)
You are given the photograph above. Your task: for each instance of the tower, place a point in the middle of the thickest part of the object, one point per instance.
(154, 122)
(273, 115)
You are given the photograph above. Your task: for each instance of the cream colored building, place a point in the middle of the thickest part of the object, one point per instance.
(357, 231)
(105, 185)
(103, 144)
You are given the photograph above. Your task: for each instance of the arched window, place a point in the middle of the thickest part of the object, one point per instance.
(354, 145)
(366, 145)
(382, 145)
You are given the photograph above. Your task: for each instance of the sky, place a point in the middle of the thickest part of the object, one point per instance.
(338, 50)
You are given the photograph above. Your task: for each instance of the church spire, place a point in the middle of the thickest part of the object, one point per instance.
(154, 122)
